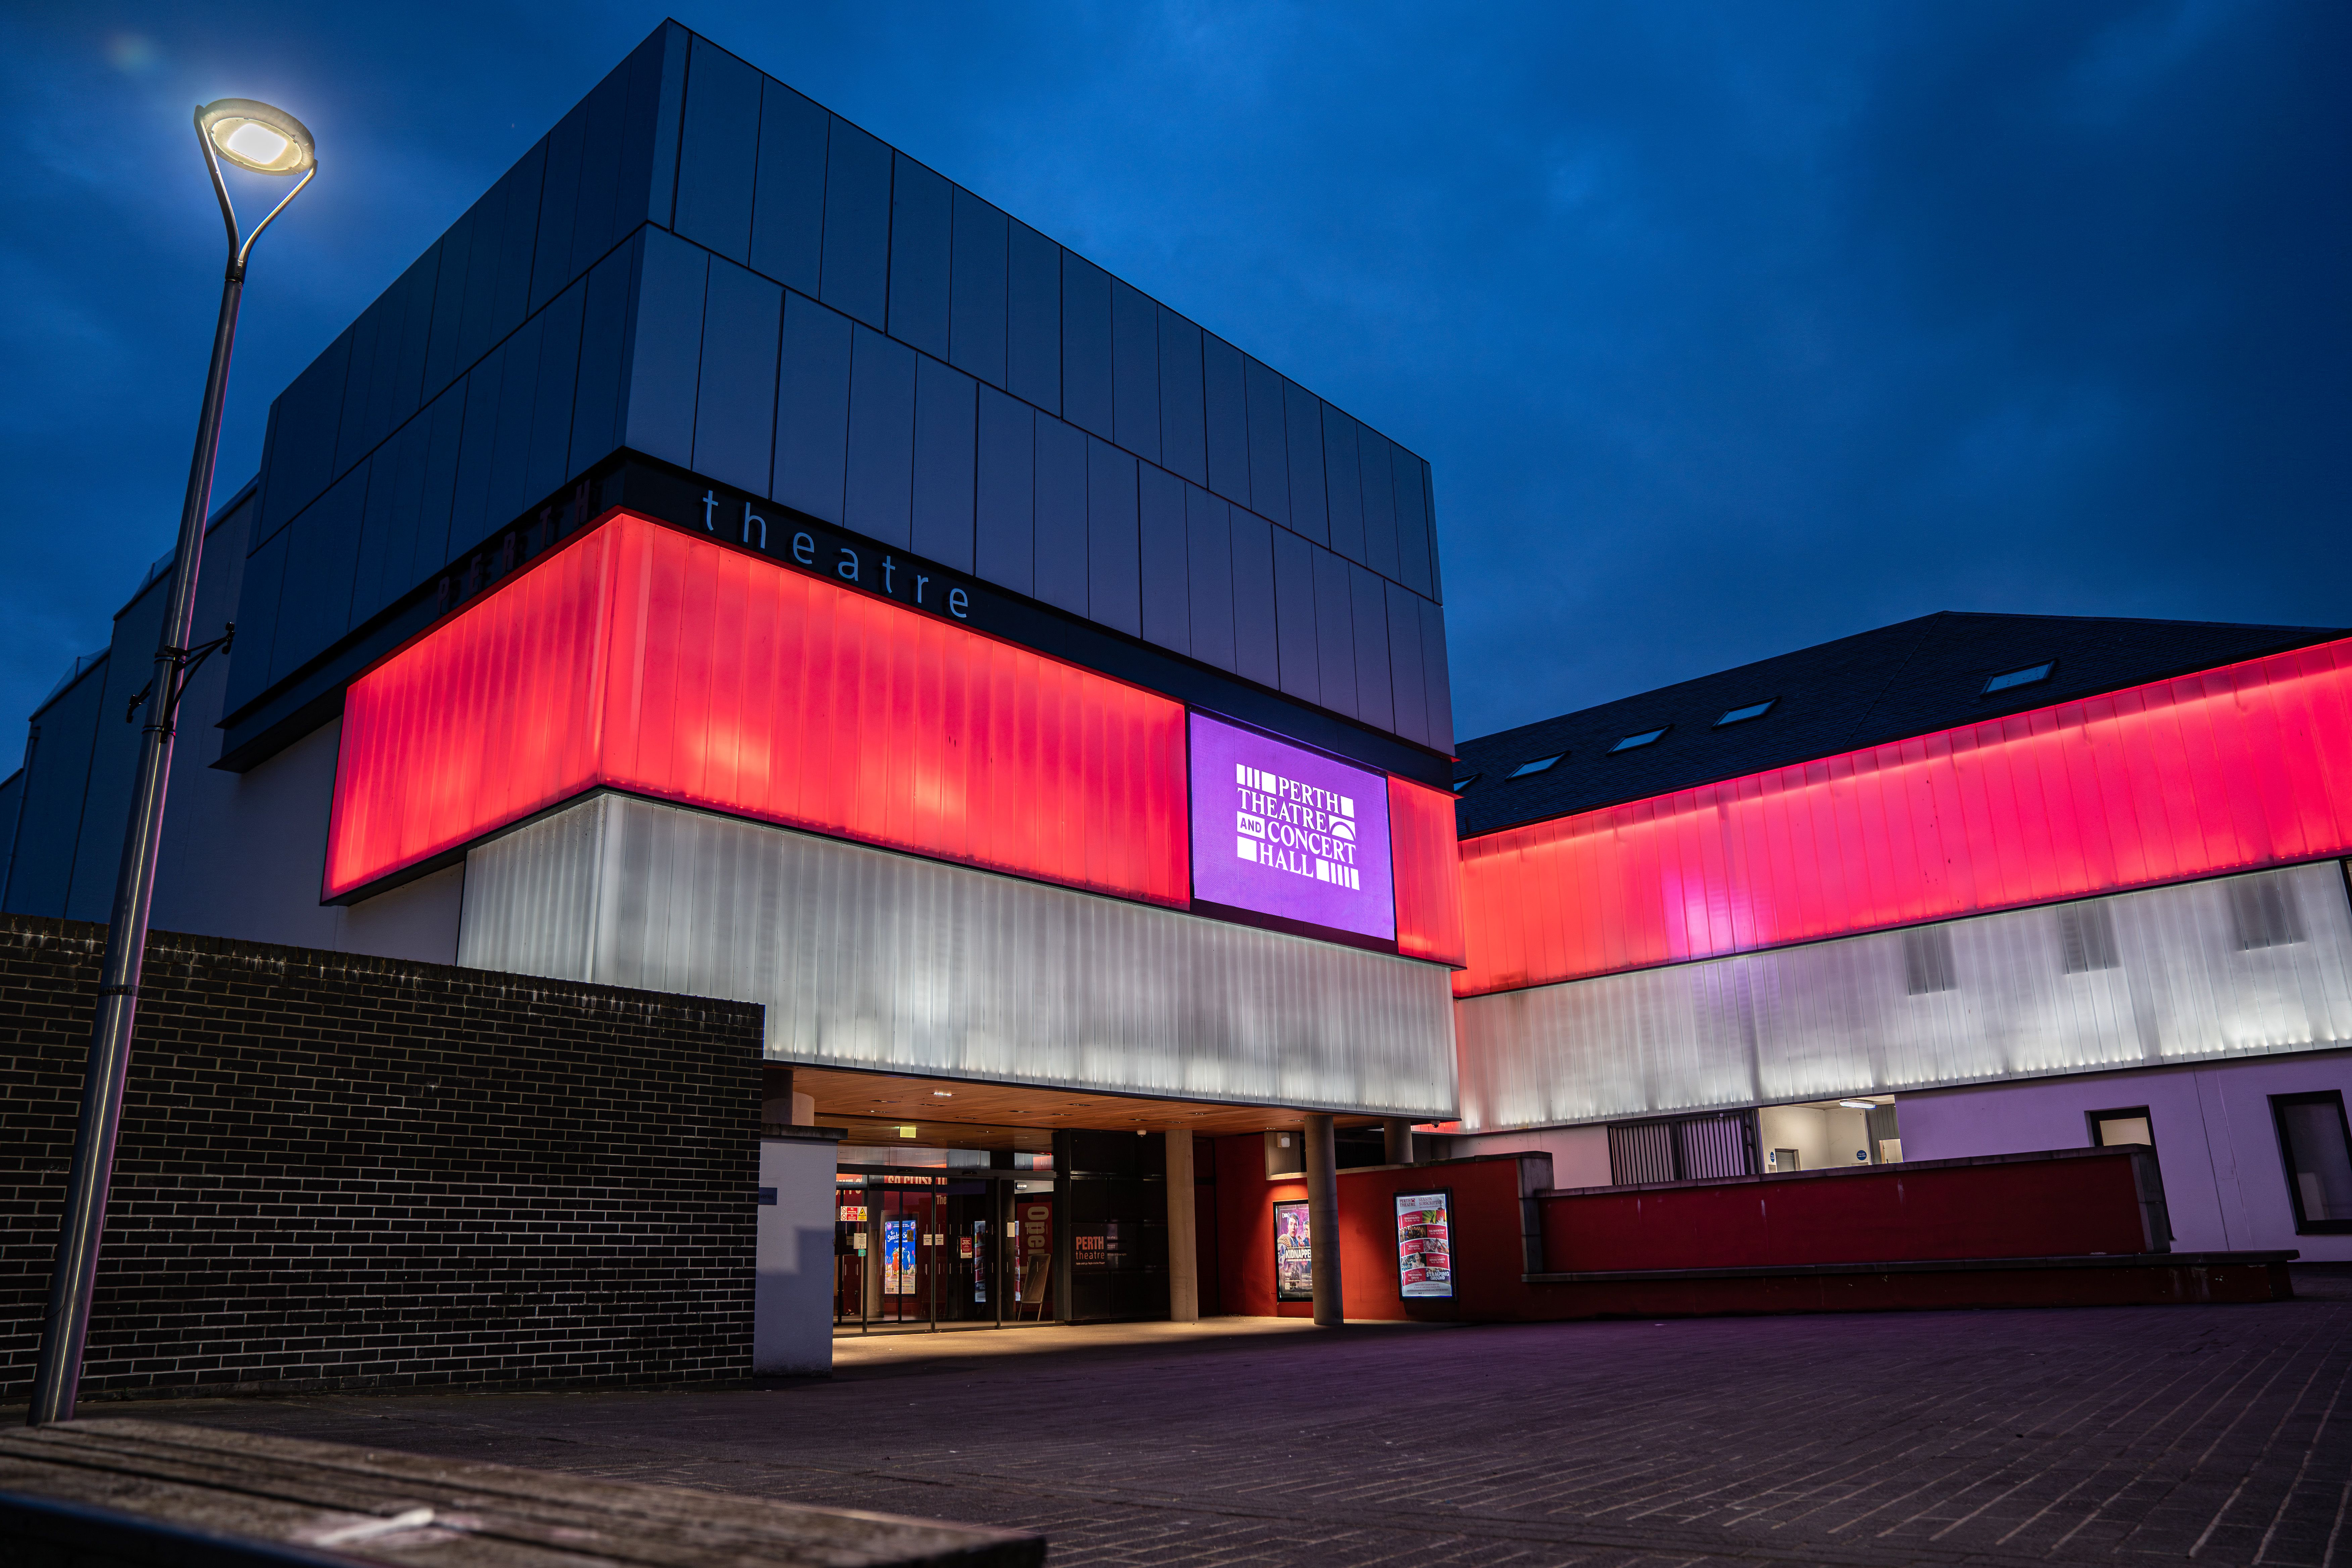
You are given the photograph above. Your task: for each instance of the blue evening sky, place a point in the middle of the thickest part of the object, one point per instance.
(1728, 327)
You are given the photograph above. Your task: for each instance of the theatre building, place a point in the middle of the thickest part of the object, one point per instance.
(734, 560)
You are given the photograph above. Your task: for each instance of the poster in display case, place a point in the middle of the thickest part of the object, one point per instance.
(897, 1258)
(1425, 1245)
(1294, 1255)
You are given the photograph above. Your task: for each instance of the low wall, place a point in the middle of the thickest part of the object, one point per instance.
(2061, 1202)
(343, 1172)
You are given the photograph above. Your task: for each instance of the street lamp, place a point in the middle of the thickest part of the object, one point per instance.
(265, 140)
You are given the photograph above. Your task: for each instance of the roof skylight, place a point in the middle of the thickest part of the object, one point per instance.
(1645, 738)
(1466, 781)
(2031, 675)
(1540, 765)
(1741, 715)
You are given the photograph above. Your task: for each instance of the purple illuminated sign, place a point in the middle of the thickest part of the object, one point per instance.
(1283, 831)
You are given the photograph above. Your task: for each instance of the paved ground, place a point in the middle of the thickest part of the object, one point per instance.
(2211, 1434)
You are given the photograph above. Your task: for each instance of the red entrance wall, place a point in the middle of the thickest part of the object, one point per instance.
(2065, 1203)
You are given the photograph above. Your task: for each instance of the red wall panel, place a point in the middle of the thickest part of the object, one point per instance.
(644, 659)
(2028, 1208)
(2227, 770)
(1426, 849)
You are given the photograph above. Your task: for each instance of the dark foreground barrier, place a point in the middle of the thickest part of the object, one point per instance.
(150, 1494)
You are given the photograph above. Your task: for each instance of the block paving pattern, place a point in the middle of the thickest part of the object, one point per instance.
(2109, 1435)
(337, 1171)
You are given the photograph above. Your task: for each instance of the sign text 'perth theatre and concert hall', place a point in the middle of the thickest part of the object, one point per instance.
(1287, 832)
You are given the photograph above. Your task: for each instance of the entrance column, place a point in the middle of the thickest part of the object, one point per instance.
(1183, 1245)
(1323, 1219)
(1397, 1133)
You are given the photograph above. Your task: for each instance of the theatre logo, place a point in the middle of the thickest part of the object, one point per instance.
(1294, 828)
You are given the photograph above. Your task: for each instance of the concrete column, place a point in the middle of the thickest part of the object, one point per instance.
(1398, 1133)
(1183, 1238)
(1323, 1219)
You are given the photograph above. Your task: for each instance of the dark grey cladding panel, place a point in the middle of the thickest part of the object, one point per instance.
(302, 446)
(603, 340)
(718, 148)
(1412, 522)
(1184, 439)
(1257, 654)
(1087, 392)
(878, 501)
(1375, 683)
(1226, 404)
(665, 359)
(456, 252)
(812, 408)
(976, 307)
(1429, 511)
(321, 560)
(505, 495)
(1114, 584)
(359, 380)
(1440, 688)
(476, 445)
(1407, 674)
(446, 421)
(921, 220)
(1061, 570)
(1269, 447)
(55, 783)
(387, 549)
(944, 454)
(606, 122)
(788, 206)
(1335, 632)
(559, 207)
(856, 270)
(1209, 562)
(1135, 370)
(1375, 471)
(518, 242)
(1165, 566)
(1294, 616)
(1309, 512)
(1005, 505)
(735, 400)
(258, 602)
(1033, 343)
(1343, 473)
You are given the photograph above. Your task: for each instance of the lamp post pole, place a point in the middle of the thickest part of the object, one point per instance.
(65, 1327)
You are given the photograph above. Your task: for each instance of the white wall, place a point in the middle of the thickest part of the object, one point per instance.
(244, 856)
(2224, 1181)
(791, 1298)
(1580, 1155)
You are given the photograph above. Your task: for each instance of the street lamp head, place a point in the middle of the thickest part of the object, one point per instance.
(252, 135)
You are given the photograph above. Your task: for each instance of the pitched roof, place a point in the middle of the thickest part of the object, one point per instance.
(1910, 679)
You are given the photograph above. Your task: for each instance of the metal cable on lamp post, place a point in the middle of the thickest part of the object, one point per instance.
(265, 141)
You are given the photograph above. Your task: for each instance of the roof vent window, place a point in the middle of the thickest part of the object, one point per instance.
(1466, 781)
(1646, 737)
(1741, 715)
(1541, 765)
(2031, 675)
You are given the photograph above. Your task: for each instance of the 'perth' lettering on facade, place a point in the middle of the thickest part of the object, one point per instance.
(1287, 826)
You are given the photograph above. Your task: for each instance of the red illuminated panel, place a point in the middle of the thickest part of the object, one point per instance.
(2234, 768)
(1427, 845)
(647, 660)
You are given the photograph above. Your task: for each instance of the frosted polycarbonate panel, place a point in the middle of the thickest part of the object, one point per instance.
(2223, 771)
(866, 959)
(1839, 1018)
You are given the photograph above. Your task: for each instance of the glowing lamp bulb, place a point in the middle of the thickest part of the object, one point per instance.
(254, 136)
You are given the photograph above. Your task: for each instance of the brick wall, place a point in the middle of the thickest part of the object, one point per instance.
(343, 1172)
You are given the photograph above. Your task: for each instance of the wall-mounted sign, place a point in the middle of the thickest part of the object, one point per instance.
(1286, 832)
(1425, 1244)
(1294, 1255)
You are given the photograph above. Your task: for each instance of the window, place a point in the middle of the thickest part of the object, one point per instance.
(2086, 935)
(1645, 738)
(2031, 675)
(1741, 715)
(2262, 910)
(2316, 1147)
(1466, 781)
(1927, 960)
(2113, 1129)
(1541, 765)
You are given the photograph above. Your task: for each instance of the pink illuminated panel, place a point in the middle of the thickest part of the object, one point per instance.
(1428, 872)
(643, 659)
(2234, 768)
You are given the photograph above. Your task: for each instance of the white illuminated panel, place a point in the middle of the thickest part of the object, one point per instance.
(1839, 1017)
(866, 959)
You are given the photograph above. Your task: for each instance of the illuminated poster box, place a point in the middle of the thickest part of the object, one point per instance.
(1293, 1253)
(1425, 1244)
(1279, 830)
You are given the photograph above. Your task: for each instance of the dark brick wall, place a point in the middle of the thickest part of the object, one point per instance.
(343, 1172)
